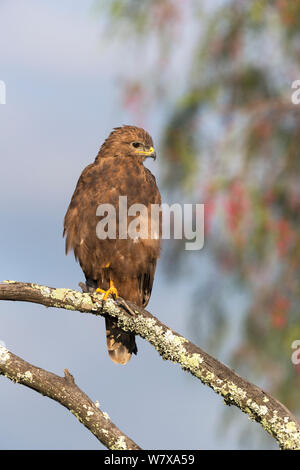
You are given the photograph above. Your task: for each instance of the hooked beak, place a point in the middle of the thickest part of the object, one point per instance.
(148, 153)
(151, 153)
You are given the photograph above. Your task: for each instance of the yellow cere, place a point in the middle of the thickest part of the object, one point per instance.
(146, 152)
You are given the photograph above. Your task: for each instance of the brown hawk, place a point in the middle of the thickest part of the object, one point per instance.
(120, 266)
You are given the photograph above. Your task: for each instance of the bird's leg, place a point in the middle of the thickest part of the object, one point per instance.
(111, 291)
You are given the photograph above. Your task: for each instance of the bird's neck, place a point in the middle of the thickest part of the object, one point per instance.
(122, 160)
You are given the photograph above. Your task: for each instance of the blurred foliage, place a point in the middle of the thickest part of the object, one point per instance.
(231, 139)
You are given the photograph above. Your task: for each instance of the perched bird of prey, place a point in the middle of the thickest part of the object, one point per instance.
(120, 266)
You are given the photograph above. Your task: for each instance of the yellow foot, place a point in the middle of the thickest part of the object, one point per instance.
(111, 291)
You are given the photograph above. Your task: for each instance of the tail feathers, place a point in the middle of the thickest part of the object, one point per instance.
(120, 344)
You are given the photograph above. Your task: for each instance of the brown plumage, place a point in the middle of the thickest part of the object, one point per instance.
(118, 170)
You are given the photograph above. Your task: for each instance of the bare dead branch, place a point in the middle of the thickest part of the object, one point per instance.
(67, 393)
(275, 418)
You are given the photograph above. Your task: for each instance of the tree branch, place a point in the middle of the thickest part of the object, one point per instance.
(275, 418)
(65, 391)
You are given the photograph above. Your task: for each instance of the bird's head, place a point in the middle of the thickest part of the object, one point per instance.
(128, 141)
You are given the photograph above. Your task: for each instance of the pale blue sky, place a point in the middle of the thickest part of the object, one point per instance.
(63, 98)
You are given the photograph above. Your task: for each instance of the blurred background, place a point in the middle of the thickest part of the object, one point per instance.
(212, 83)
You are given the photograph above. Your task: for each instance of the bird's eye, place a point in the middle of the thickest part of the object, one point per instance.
(136, 145)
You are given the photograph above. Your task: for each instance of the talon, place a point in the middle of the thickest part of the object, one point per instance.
(111, 291)
(101, 291)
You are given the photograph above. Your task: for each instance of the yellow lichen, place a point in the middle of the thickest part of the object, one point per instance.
(59, 294)
(119, 444)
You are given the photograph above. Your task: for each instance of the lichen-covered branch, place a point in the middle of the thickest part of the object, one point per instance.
(275, 418)
(67, 393)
